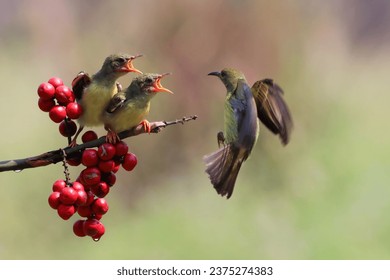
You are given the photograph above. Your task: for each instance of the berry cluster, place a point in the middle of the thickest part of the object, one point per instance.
(59, 101)
(85, 195)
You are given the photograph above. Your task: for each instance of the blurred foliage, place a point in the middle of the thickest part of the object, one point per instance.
(324, 196)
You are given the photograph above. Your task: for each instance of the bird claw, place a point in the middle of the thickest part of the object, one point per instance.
(146, 125)
(220, 139)
(112, 137)
(72, 143)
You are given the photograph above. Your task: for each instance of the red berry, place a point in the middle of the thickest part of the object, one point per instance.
(91, 176)
(91, 227)
(100, 206)
(78, 228)
(54, 200)
(84, 211)
(46, 104)
(75, 159)
(90, 198)
(46, 91)
(101, 189)
(65, 211)
(64, 95)
(67, 128)
(77, 186)
(88, 136)
(106, 151)
(82, 198)
(74, 110)
(90, 158)
(129, 161)
(58, 185)
(57, 114)
(109, 178)
(55, 81)
(116, 167)
(106, 165)
(68, 196)
(121, 148)
(101, 230)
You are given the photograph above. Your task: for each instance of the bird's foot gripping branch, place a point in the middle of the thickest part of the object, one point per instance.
(101, 160)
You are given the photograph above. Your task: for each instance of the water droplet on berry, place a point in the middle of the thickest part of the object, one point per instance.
(96, 239)
(18, 171)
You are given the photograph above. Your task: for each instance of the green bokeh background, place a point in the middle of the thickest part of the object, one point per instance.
(324, 196)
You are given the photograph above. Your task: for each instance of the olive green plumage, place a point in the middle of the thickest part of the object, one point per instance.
(243, 107)
(130, 107)
(94, 93)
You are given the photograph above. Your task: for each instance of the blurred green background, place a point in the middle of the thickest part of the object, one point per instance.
(324, 196)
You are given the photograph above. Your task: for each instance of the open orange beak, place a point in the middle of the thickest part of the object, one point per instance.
(129, 65)
(157, 84)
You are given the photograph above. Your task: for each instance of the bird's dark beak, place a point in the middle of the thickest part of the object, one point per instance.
(157, 84)
(216, 73)
(129, 65)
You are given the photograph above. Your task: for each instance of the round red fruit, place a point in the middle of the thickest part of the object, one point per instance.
(109, 178)
(74, 159)
(101, 189)
(46, 104)
(68, 196)
(58, 185)
(116, 167)
(90, 199)
(91, 176)
(101, 230)
(78, 228)
(84, 211)
(106, 165)
(74, 110)
(55, 81)
(106, 151)
(67, 128)
(88, 136)
(54, 200)
(100, 206)
(64, 95)
(90, 158)
(57, 114)
(65, 211)
(121, 148)
(82, 198)
(91, 227)
(77, 186)
(46, 91)
(129, 161)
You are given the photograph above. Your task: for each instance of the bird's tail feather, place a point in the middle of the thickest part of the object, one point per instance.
(223, 166)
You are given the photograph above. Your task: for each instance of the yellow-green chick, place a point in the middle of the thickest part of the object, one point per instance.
(130, 107)
(94, 93)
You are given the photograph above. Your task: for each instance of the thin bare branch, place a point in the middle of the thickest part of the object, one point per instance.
(55, 156)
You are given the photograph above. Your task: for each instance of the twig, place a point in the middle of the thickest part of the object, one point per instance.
(56, 156)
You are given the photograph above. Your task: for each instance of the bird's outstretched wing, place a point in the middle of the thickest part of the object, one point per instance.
(116, 102)
(79, 83)
(272, 109)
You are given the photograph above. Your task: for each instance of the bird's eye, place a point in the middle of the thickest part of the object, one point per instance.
(223, 73)
(120, 60)
(148, 80)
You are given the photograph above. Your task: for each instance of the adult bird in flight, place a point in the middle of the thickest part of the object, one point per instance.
(243, 107)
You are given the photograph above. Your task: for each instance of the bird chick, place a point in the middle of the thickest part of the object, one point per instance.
(129, 108)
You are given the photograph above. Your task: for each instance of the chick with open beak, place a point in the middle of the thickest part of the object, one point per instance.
(94, 93)
(129, 108)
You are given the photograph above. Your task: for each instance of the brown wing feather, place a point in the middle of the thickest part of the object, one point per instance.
(79, 83)
(272, 109)
(116, 102)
